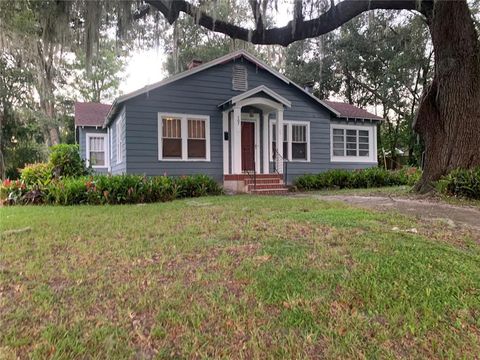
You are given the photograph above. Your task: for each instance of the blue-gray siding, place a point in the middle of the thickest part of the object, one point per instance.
(200, 94)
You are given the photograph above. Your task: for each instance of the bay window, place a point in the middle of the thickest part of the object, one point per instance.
(183, 137)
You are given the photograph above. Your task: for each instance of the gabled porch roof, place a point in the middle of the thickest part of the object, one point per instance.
(250, 93)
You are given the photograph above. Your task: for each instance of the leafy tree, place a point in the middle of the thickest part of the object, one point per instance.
(101, 81)
(21, 140)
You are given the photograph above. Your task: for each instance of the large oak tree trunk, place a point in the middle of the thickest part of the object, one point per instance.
(448, 118)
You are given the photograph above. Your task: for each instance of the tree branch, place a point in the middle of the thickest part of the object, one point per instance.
(293, 31)
(378, 95)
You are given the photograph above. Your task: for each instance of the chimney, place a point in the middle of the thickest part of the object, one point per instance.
(194, 63)
(308, 86)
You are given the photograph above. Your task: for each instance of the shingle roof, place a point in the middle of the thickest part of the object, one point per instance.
(90, 113)
(346, 110)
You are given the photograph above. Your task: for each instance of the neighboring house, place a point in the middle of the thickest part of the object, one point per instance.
(91, 136)
(220, 119)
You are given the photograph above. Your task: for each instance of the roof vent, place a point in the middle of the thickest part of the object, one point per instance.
(239, 78)
(194, 63)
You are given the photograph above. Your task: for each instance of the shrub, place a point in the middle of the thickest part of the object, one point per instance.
(106, 189)
(461, 183)
(12, 191)
(348, 179)
(37, 174)
(66, 161)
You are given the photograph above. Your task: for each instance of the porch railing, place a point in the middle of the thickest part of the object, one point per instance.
(284, 162)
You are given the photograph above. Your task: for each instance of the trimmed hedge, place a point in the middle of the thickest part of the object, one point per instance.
(461, 183)
(106, 189)
(353, 179)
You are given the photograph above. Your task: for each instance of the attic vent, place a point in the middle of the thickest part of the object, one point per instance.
(239, 78)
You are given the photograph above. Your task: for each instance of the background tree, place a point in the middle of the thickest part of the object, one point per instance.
(21, 140)
(101, 81)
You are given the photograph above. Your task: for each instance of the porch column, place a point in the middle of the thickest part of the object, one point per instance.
(266, 143)
(237, 140)
(279, 141)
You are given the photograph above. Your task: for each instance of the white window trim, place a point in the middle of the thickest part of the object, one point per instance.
(184, 121)
(289, 123)
(372, 142)
(118, 142)
(105, 149)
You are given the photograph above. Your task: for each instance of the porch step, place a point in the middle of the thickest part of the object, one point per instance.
(263, 181)
(280, 191)
(250, 176)
(252, 187)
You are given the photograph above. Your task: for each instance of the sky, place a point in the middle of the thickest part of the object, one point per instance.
(145, 67)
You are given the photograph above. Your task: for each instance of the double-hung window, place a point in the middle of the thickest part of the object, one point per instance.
(299, 142)
(172, 137)
(197, 140)
(296, 140)
(96, 150)
(183, 137)
(352, 143)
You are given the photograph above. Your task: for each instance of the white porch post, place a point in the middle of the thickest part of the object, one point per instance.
(226, 152)
(279, 141)
(236, 140)
(265, 143)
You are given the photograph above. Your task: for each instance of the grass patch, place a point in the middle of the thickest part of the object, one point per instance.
(235, 277)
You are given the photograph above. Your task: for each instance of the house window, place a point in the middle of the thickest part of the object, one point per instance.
(184, 137)
(296, 140)
(96, 150)
(197, 142)
(352, 143)
(172, 137)
(299, 142)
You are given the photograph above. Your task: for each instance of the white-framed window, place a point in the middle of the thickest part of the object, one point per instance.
(296, 140)
(96, 150)
(352, 143)
(183, 137)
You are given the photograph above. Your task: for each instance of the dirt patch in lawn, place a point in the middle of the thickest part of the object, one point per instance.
(451, 215)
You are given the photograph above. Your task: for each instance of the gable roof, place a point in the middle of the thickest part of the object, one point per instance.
(90, 113)
(258, 89)
(350, 111)
(221, 60)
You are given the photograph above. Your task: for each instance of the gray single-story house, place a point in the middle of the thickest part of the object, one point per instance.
(223, 119)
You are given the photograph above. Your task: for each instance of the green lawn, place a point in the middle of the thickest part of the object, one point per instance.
(235, 277)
